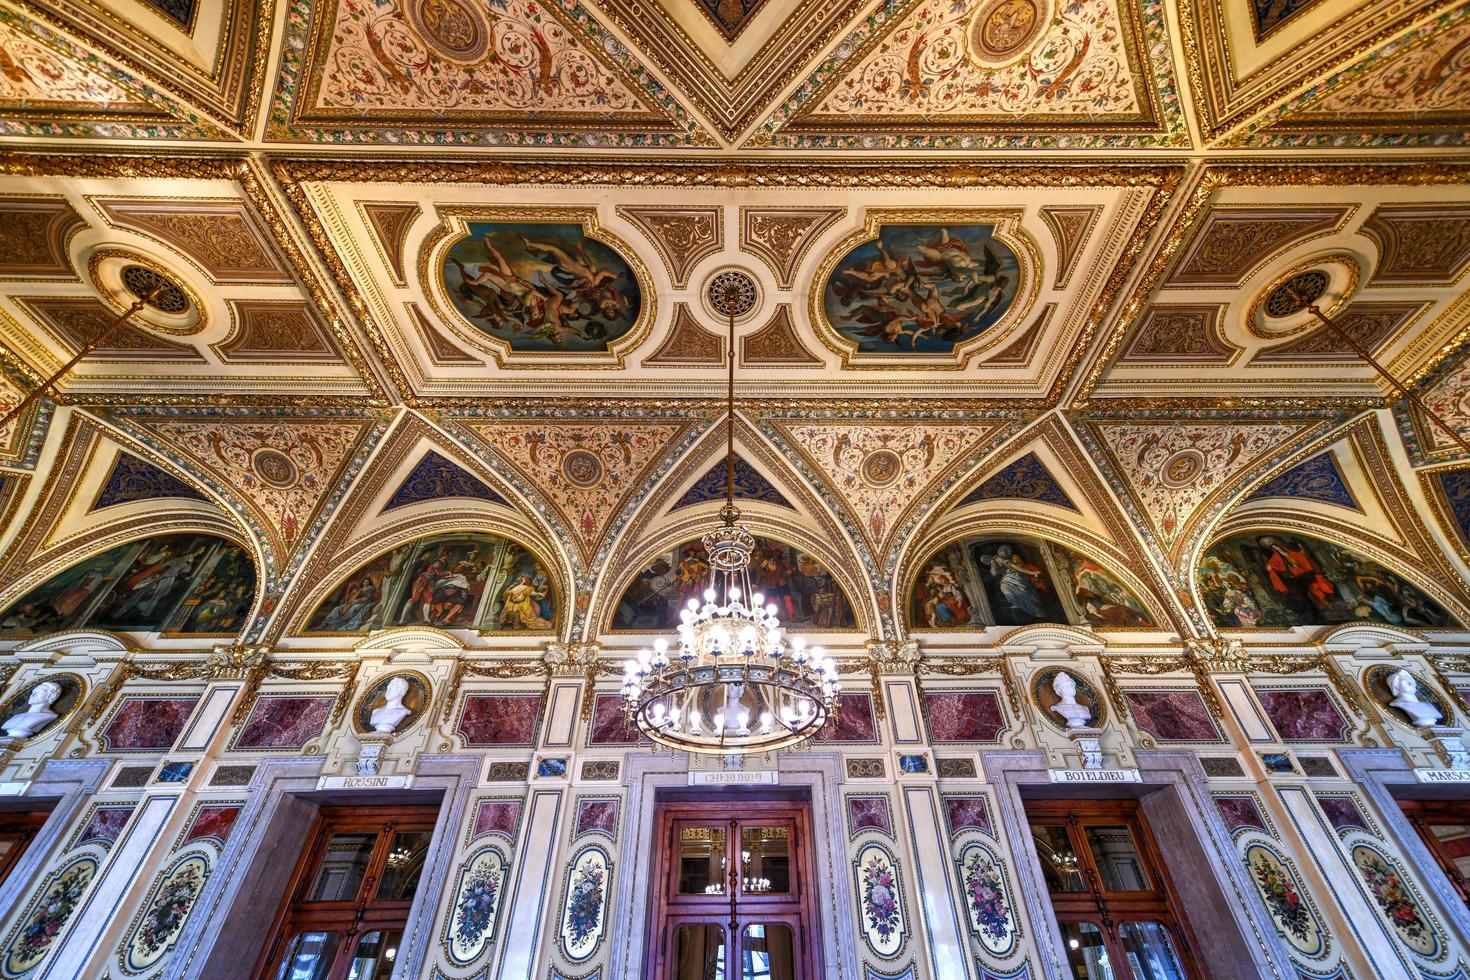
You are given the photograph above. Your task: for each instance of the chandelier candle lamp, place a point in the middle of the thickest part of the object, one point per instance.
(733, 683)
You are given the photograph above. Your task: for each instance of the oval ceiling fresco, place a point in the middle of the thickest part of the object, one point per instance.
(1268, 578)
(451, 581)
(542, 286)
(921, 289)
(805, 593)
(1016, 581)
(195, 584)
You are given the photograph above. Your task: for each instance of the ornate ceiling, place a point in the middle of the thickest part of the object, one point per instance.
(985, 237)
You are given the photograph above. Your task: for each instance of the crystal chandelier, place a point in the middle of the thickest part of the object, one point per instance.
(733, 683)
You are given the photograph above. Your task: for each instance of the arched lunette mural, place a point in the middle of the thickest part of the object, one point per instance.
(804, 590)
(195, 584)
(1014, 580)
(452, 581)
(1270, 578)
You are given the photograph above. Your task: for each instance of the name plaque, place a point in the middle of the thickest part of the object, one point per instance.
(1095, 776)
(364, 782)
(14, 788)
(1442, 775)
(722, 778)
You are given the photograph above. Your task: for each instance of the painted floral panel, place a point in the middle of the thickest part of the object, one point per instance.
(499, 719)
(987, 899)
(39, 930)
(476, 901)
(147, 724)
(284, 722)
(1304, 714)
(1293, 915)
(1397, 901)
(1173, 716)
(584, 908)
(964, 716)
(880, 900)
(167, 910)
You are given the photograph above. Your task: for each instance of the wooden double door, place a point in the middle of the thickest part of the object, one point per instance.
(732, 893)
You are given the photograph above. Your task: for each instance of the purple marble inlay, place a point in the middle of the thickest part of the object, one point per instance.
(284, 722)
(967, 813)
(610, 724)
(106, 824)
(147, 724)
(500, 719)
(597, 817)
(1241, 811)
(1173, 716)
(1464, 694)
(852, 721)
(1304, 714)
(964, 716)
(1342, 812)
(212, 821)
(868, 813)
(497, 817)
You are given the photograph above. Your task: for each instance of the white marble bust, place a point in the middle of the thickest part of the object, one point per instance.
(1074, 714)
(1405, 691)
(385, 720)
(39, 715)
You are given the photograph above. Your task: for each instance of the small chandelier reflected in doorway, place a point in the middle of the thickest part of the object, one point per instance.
(732, 682)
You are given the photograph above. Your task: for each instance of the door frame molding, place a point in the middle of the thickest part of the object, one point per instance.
(819, 773)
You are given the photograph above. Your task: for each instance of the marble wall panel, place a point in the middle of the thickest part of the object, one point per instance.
(145, 723)
(853, 721)
(963, 716)
(500, 719)
(284, 723)
(1303, 714)
(1173, 716)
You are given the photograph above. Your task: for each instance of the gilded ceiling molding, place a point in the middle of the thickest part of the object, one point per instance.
(782, 236)
(1208, 181)
(689, 343)
(949, 517)
(683, 235)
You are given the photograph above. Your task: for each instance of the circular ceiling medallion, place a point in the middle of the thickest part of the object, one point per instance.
(1004, 31)
(582, 468)
(731, 290)
(1182, 468)
(452, 28)
(1281, 309)
(275, 468)
(881, 467)
(122, 277)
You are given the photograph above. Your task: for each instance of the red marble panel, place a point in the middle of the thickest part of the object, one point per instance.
(610, 724)
(964, 716)
(284, 722)
(212, 821)
(597, 817)
(497, 817)
(1173, 716)
(967, 813)
(500, 719)
(852, 721)
(1342, 812)
(1241, 811)
(147, 724)
(1304, 714)
(105, 824)
(868, 813)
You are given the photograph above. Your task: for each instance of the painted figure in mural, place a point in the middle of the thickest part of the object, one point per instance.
(542, 287)
(1103, 601)
(469, 581)
(1278, 580)
(921, 288)
(804, 591)
(38, 713)
(179, 583)
(1021, 587)
(944, 602)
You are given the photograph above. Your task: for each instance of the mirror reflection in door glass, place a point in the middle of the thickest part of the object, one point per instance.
(309, 957)
(1117, 860)
(702, 861)
(1454, 841)
(1086, 953)
(765, 855)
(374, 956)
(403, 866)
(699, 952)
(344, 863)
(767, 952)
(1150, 951)
(1058, 861)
